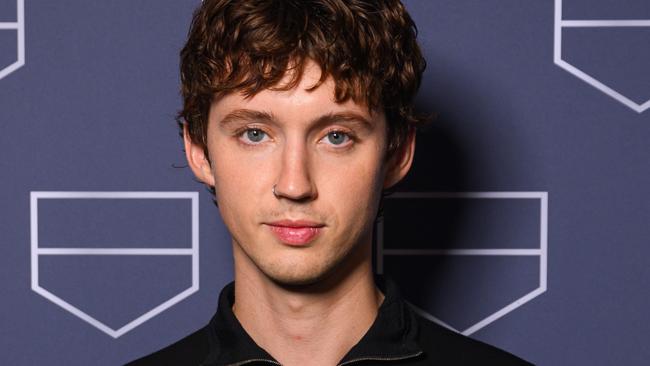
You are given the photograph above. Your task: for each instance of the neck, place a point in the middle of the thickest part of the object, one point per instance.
(314, 324)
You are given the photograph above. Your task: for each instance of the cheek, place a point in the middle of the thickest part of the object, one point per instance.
(353, 186)
(240, 181)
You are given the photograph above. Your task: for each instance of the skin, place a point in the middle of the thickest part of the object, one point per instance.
(308, 304)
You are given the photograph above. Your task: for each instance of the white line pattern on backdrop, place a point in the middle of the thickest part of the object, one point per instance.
(541, 252)
(561, 23)
(36, 251)
(19, 27)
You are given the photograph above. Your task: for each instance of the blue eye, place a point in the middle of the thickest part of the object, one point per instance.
(255, 135)
(337, 137)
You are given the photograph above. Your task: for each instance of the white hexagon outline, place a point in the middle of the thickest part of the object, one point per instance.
(561, 23)
(542, 252)
(19, 26)
(36, 252)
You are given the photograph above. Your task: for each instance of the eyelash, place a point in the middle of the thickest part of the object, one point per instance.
(351, 137)
(241, 132)
(240, 135)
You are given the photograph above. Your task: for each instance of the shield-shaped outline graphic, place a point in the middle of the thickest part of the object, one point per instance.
(561, 23)
(36, 251)
(541, 252)
(19, 26)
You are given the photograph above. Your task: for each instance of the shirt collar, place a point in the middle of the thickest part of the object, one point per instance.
(393, 334)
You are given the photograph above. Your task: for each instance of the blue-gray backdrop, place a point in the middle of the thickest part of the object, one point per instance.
(527, 209)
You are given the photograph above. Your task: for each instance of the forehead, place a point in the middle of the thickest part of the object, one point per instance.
(307, 97)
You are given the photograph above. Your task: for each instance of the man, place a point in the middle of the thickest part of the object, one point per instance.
(298, 115)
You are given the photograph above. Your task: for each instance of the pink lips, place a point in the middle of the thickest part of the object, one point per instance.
(295, 232)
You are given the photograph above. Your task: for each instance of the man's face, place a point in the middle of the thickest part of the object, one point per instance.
(326, 161)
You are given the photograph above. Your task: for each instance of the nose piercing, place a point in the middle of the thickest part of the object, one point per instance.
(273, 190)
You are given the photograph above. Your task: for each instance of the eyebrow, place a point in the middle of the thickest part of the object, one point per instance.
(329, 118)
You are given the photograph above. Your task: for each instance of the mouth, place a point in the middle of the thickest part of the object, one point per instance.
(295, 233)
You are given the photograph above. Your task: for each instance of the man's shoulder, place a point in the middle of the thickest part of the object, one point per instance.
(190, 350)
(446, 347)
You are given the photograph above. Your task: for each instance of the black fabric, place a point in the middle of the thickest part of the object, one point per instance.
(397, 337)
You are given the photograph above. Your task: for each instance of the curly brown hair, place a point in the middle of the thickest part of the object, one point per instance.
(368, 47)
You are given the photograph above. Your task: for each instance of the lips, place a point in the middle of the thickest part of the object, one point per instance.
(295, 233)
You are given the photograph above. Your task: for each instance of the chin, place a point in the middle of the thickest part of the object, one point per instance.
(300, 275)
(293, 277)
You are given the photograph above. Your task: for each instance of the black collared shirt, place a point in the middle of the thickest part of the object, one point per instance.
(398, 336)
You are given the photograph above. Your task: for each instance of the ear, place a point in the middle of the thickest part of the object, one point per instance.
(400, 163)
(197, 160)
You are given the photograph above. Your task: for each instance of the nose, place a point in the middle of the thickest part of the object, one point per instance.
(294, 180)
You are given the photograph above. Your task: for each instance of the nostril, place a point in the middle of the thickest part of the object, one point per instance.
(297, 192)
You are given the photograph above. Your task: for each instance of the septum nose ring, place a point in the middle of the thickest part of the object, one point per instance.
(273, 190)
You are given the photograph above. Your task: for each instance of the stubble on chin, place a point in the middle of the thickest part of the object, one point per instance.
(314, 274)
(309, 269)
